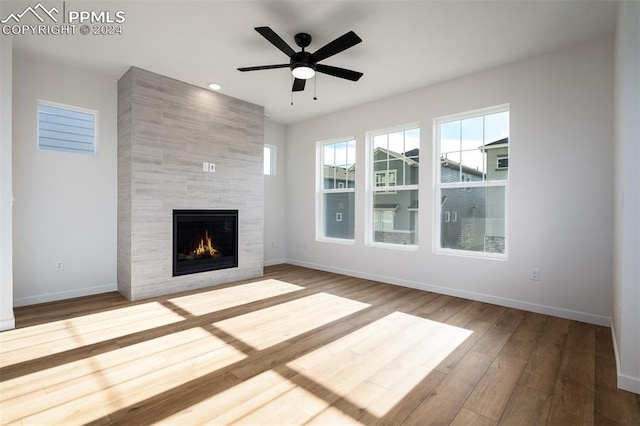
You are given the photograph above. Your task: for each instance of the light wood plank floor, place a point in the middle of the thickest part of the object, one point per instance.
(302, 346)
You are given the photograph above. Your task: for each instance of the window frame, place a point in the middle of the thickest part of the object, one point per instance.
(321, 191)
(438, 186)
(72, 108)
(371, 187)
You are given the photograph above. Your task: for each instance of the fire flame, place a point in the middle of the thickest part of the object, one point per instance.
(205, 248)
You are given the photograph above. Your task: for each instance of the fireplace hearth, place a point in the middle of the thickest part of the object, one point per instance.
(204, 240)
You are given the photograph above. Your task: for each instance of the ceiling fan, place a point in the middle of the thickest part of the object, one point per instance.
(303, 64)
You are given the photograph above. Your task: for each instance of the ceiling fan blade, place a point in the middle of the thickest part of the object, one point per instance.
(275, 39)
(338, 45)
(298, 85)
(339, 72)
(263, 67)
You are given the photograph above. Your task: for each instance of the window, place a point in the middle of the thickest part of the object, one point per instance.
(63, 128)
(472, 162)
(270, 160)
(502, 162)
(393, 205)
(337, 171)
(386, 178)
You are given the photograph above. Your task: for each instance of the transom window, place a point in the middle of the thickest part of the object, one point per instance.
(393, 206)
(472, 168)
(64, 128)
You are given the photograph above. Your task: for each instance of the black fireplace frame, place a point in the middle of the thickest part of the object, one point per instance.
(203, 268)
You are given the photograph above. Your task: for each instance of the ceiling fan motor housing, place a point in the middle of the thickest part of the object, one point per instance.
(302, 59)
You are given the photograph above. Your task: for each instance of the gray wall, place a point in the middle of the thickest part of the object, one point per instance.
(166, 130)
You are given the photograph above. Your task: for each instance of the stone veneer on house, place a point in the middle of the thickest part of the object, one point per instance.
(166, 130)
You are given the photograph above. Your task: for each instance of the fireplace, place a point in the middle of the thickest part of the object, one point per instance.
(204, 240)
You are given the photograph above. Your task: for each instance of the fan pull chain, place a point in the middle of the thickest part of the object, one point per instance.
(315, 88)
(292, 91)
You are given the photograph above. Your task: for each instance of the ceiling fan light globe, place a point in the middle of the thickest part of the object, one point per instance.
(303, 73)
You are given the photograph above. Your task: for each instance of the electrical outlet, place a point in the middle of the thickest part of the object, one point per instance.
(535, 274)
(60, 265)
(205, 166)
(306, 245)
(212, 167)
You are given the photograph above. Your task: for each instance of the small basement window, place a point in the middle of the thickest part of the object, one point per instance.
(65, 128)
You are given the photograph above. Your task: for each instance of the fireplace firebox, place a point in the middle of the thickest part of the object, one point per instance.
(204, 240)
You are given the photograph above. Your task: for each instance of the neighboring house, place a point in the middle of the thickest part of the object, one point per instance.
(497, 169)
(473, 218)
(395, 212)
(339, 206)
(461, 208)
(497, 159)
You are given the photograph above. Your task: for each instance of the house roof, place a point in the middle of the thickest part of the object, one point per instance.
(497, 144)
(410, 161)
(456, 166)
(340, 172)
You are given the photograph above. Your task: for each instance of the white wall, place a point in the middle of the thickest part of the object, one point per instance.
(626, 288)
(7, 320)
(561, 176)
(65, 204)
(274, 198)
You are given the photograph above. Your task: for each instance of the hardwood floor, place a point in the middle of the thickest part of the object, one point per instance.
(302, 346)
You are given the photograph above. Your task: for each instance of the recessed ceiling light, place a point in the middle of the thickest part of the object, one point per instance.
(214, 86)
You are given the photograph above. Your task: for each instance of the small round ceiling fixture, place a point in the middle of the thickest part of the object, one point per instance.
(303, 72)
(214, 86)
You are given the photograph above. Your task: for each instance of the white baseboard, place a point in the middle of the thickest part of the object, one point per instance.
(274, 262)
(628, 383)
(51, 297)
(7, 324)
(480, 297)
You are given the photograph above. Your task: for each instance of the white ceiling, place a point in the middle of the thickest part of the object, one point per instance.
(406, 44)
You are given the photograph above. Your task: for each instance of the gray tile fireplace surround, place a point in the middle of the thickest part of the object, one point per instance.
(166, 130)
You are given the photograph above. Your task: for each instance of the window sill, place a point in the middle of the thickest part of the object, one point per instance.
(336, 241)
(402, 247)
(472, 254)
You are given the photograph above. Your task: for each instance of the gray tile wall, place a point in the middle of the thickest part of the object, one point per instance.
(166, 130)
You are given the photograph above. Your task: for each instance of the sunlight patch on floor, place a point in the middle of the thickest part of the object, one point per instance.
(51, 338)
(229, 297)
(269, 326)
(87, 389)
(378, 365)
(267, 398)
